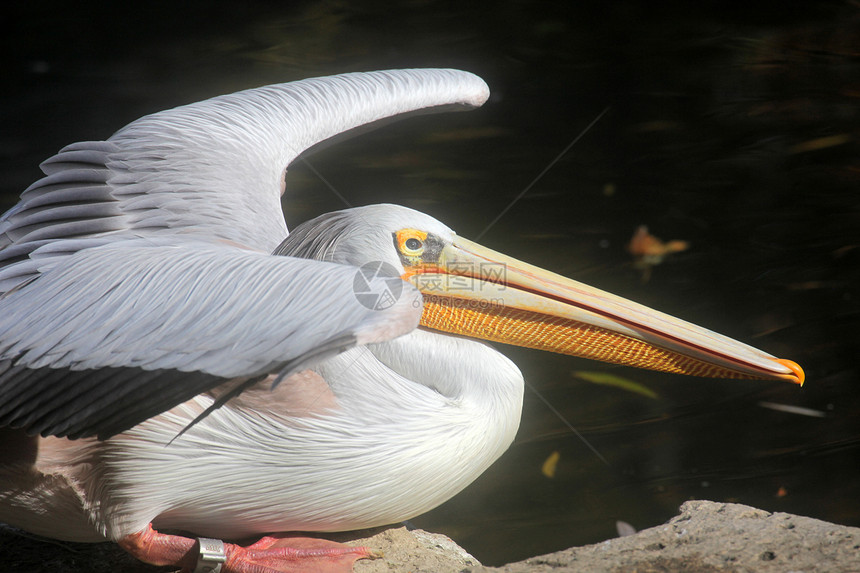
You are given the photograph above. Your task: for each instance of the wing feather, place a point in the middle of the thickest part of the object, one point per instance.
(114, 334)
(123, 287)
(214, 169)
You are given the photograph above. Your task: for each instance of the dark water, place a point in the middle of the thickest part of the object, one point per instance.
(731, 126)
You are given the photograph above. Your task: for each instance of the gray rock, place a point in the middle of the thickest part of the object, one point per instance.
(415, 551)
(705, 537)
(708, 536)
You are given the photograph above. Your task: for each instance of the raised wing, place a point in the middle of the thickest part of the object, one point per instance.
(213, 169)
(136, 273)
(116, 334)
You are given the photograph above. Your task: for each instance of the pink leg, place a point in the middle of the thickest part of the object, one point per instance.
(158, 549)
(271, 554)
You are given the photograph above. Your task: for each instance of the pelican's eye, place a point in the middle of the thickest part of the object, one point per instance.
(410, 243)
(413, 245)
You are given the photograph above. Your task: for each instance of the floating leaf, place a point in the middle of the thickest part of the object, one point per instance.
(789, 409)
(606, 379)
(821, 143)
(550, 464)
(644, 244)
(624, 529)
(648, 250)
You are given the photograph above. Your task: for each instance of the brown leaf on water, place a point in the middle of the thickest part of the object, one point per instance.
(644, 244)
(821, 143)
(648, 250)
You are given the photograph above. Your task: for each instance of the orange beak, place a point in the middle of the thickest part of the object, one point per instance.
(480, 293)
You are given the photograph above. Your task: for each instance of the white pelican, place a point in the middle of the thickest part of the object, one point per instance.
(144, 281)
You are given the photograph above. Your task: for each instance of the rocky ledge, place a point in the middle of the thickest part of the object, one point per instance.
(704, 537)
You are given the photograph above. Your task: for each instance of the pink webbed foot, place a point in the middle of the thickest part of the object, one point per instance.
(289, 554)
(271, 554)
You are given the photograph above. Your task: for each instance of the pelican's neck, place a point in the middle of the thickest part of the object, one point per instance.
(471, 376)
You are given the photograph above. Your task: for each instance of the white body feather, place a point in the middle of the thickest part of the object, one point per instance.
(391, 449)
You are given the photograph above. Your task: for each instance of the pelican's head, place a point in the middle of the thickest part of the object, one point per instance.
(473, 291)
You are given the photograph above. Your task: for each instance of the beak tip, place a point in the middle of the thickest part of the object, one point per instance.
(797, 375)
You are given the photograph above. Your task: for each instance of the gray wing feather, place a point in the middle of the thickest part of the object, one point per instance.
(112, 335)
(214, 169)
(119, 293)
(94, 154)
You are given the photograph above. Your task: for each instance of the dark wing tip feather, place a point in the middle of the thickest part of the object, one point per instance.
(82, 403)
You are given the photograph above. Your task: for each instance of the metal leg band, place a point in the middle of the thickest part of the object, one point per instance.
(212, 555)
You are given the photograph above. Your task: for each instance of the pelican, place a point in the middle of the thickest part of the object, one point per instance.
(173, 360)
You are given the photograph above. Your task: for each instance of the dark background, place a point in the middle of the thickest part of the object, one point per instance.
(733, 126)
